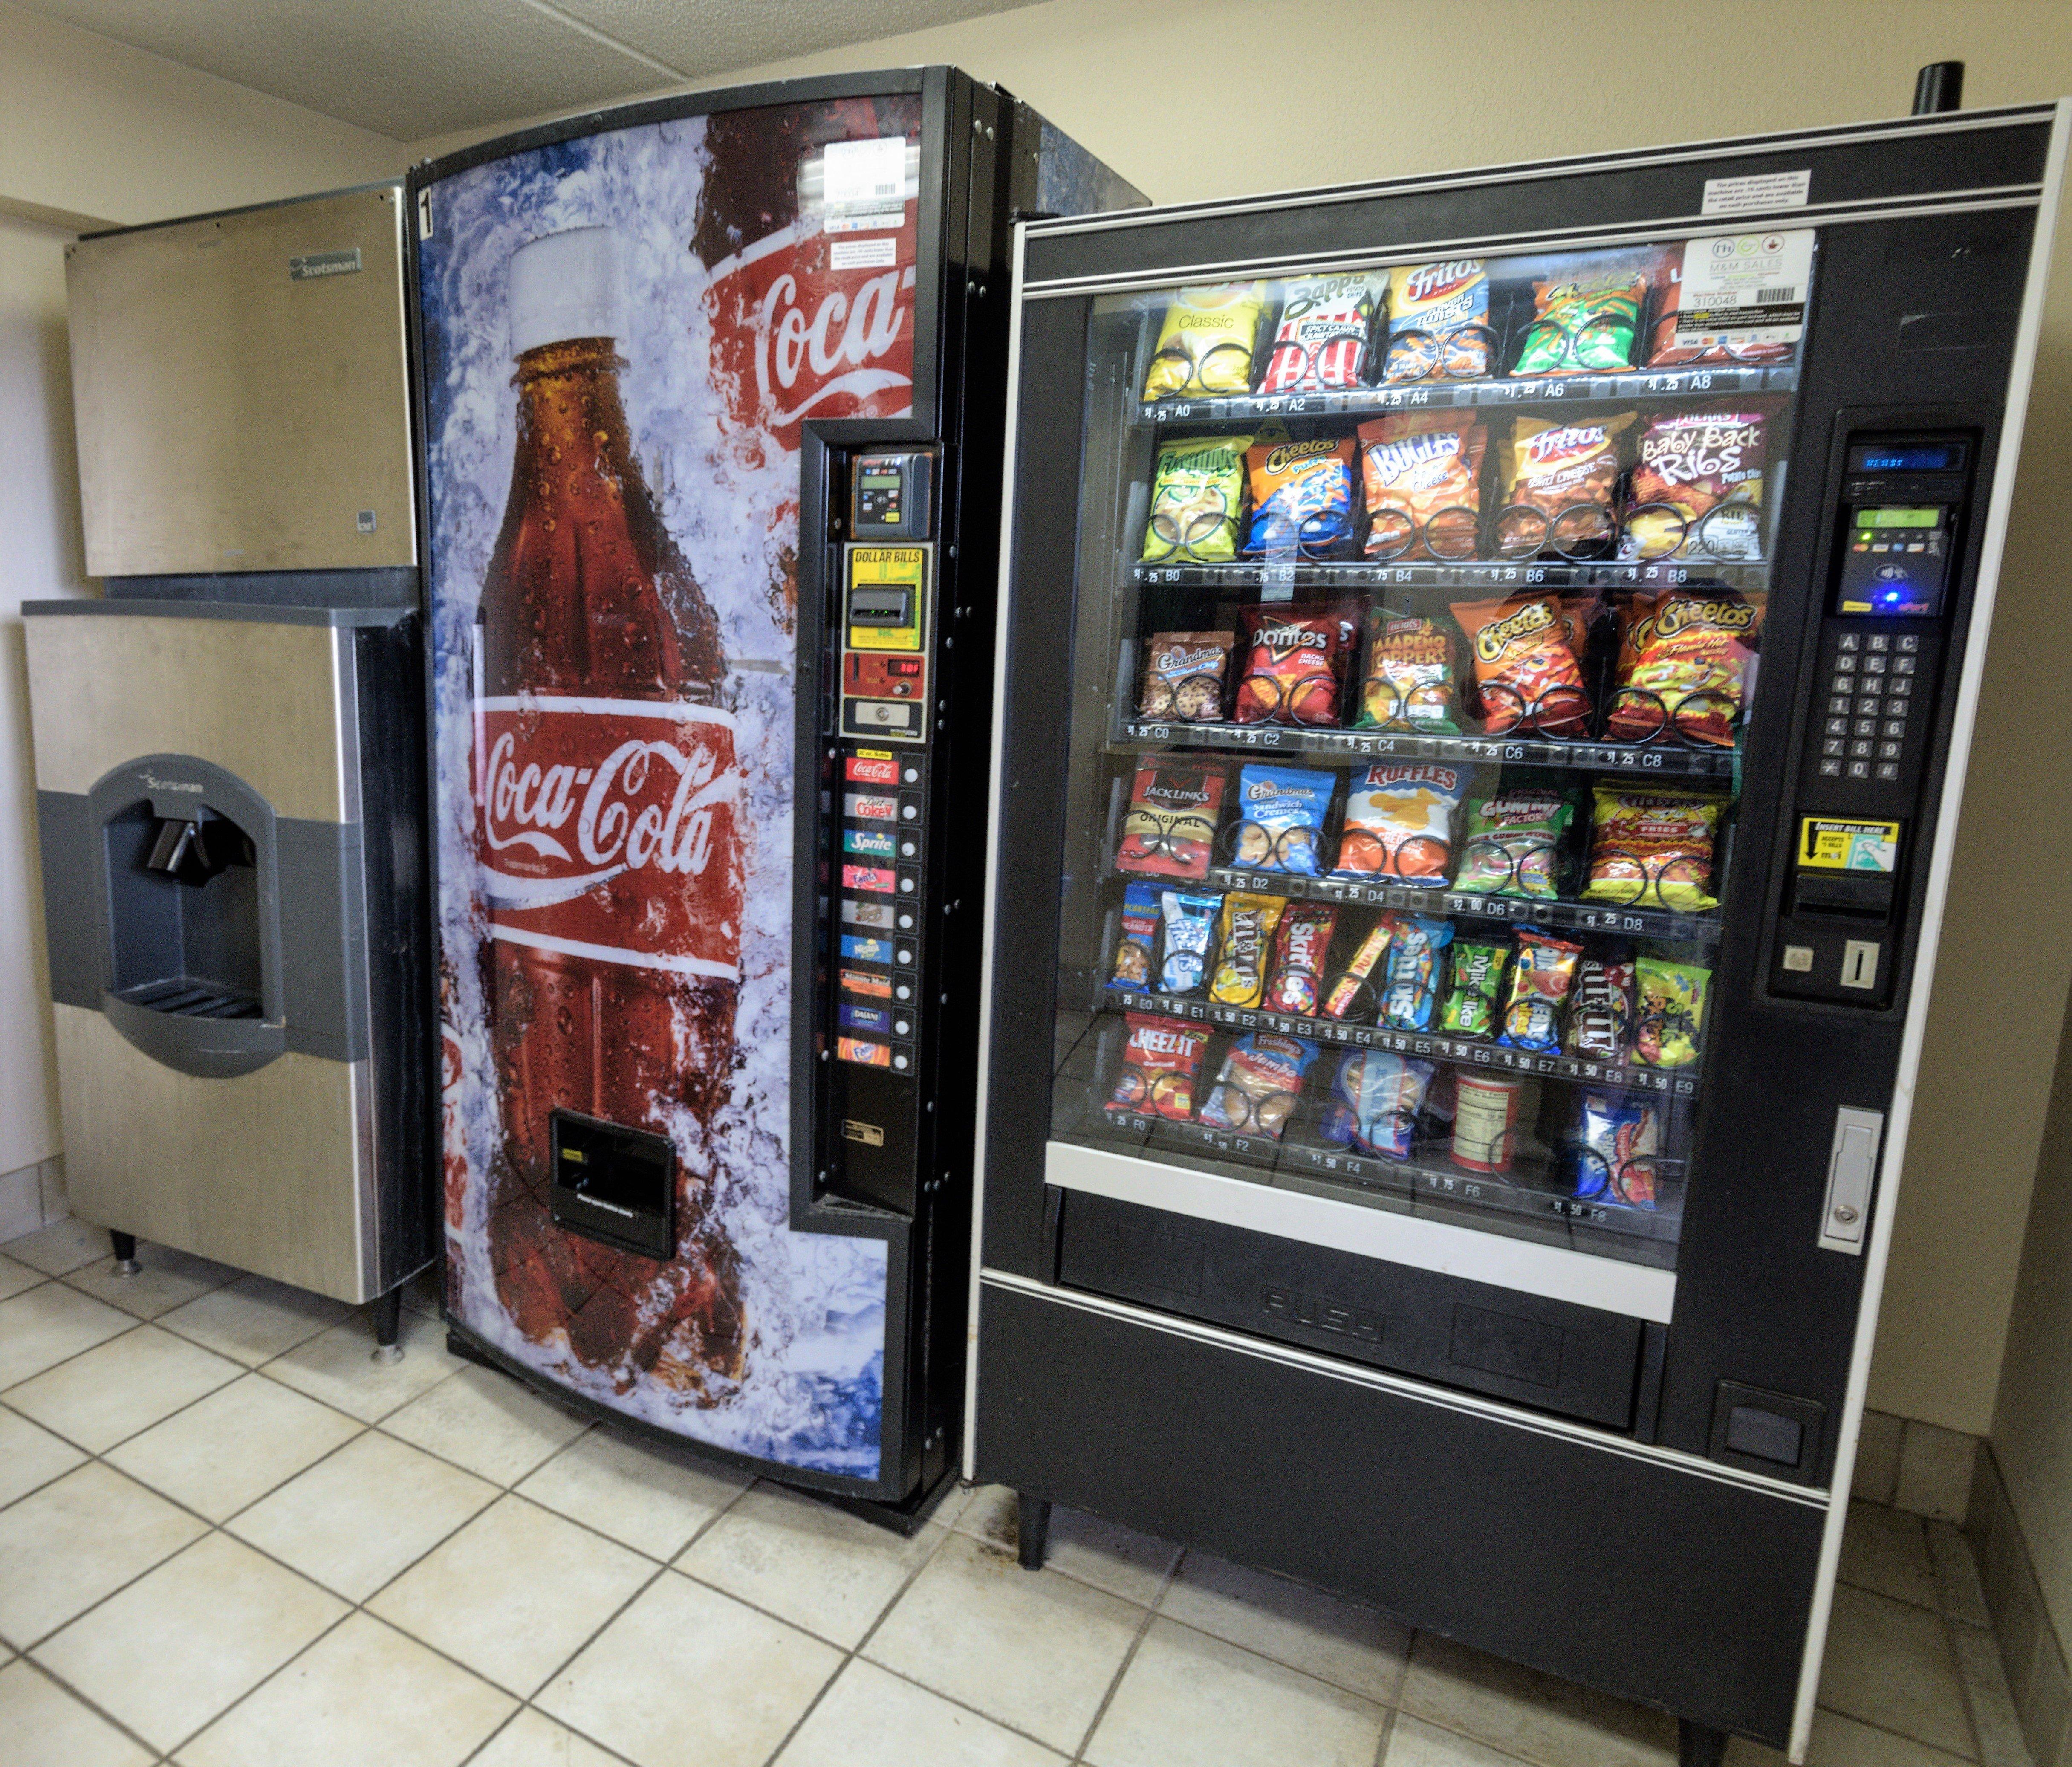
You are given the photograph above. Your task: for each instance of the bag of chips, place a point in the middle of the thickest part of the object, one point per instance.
(1293, 664)
(1541, 978)
(1297, 983)
(1352, 995)
(1438, 322)
(1281, 814)
(1260, 1086)
(1690, 671)
(1616, 1150)
(1170, 830)
(1159, 1065)
(1601, 1012)
(1697, 487)
(1671, 1013)
(1301, 495)
(1206, 343)
(1412, 970)
(1139, 943)
(1653, 849)
(1399, 821)
(1241, 955)
(1422, 473)
(1477, 980)
(1409, 683)
(1320, 341)
(1526, 675)
(1514, 843)
(1557, 483)
(1584, 322)
(1184, 675)
(1197, 495)
(1189, 923)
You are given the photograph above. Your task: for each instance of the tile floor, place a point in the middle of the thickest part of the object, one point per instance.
(230, 1538)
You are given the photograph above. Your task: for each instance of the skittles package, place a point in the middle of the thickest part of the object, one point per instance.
(1477, 979)
(1653, 849)
(1302, 496)
(1159, 1065)
(1410, 682)
(1135, 949)
(1671, 1012)
(1438, 322)
(1206, 343)
(1526, 674)
(1297, 983)
(1412, 969)
(1540, 980)
(1197, 494)
(1399, 821)
(1260, 1086)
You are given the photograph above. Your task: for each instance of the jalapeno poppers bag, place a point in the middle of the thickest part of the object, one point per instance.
(1205, 343)
(1409, 683)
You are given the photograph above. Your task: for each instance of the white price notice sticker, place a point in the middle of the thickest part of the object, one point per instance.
(1758, 191)
(866, 171)
(878, 254)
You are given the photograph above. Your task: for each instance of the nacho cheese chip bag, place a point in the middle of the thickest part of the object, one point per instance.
(1205, 344)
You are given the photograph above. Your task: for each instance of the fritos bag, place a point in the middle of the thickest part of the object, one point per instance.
(1205, 344)
(1197, 492)
(1320, 342)
(1565, 475)
(1653, 849)
(1410, 681)
(1697, 487)
(1526, 674)
(1690, 668)
(1438, 322)
(1294, 661)
(1423, 476)
(1301, 493)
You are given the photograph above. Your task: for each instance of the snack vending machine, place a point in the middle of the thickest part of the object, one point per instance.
(1486, 669)
(711, 394)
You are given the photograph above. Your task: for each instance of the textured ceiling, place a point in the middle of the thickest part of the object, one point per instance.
(411, 69)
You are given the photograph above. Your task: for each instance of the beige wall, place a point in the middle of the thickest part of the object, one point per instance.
(93, 134)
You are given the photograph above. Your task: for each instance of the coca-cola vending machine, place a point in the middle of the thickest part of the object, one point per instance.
(714, 399)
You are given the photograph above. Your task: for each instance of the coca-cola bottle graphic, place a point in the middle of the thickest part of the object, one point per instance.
(607, 787)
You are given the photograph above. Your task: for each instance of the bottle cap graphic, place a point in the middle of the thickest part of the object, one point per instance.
(566, 286)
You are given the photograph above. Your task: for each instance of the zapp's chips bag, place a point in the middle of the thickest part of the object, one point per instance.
(1205, 345)
(1399, 821)
(1423, 476)
(1320, 342)
(1558, 480)
(1301, 495)
(1697, 487)
(1689, 674)
(1197, 492)
(1159, 1063)
(1294, 659)
(1409, 683)
(1527, 675)
(1653, 849)
(1438, 322)
(1584, 322)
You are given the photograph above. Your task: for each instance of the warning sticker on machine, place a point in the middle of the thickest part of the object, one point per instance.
(1757, 192)
(1826, 844)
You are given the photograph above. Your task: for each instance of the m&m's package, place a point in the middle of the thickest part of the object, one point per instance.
(1241, 956)
(1600, 1010)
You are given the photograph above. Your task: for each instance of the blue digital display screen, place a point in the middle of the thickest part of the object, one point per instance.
(1912, 457)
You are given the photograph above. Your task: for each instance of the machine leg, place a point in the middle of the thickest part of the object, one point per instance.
(1032, 1526)
(1697, 1745)
(387, 1311)
(126, 1253)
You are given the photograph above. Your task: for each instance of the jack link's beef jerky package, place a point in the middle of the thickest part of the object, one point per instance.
(1190, 922)
(1184, 675)
(1294, 662)
(1197, 494)
(1557, 483)
(1170, 829)
(1697, 487)
(1584, 322)
(1526, 673)
(1653, 849)
(1241, 959)
(1281, 814)
(1260, 1086)
(1689, 674)
(1320, 342)
(1301, 493)
(1422, 472)
(1296, 984)
(1438, 322)
(1206, 341)
(1159, 1064)
(1409, 683)
(1139, 943)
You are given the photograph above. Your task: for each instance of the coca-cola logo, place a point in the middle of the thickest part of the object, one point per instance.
(608, 813)
(810, 357)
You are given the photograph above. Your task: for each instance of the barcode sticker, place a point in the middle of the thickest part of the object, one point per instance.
(1751, 286)
(864, 171)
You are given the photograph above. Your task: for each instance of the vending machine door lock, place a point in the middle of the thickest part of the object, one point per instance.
(1852, 1169)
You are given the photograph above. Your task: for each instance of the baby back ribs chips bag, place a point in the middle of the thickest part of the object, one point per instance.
(1526, 672)
(1558, 480)
(1697, 487)
(1423, 475)
(1409, 683)
(1320, 342)
(1197, 492)
(1584, 322)
(1438, 322)
(1690, 669)
(1159, 1064)
(1301, 493)
(1206, 343)
(1653, 849)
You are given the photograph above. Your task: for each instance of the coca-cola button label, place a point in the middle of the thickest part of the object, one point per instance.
(873, 769)
(607, 830)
